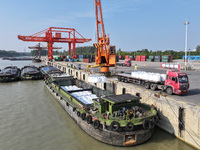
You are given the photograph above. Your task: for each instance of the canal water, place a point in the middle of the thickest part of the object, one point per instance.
(30, 119)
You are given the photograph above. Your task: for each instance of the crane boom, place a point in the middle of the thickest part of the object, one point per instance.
(105, 55)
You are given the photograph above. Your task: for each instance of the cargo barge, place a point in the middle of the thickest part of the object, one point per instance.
(119, 120)
(10, 73)
(31, 73)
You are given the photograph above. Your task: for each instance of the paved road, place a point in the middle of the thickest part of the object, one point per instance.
(192, 97)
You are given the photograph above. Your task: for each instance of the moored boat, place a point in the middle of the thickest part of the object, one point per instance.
(120, 120)
(31, 73)
(49, 70)
(37, 60)
(10, 73)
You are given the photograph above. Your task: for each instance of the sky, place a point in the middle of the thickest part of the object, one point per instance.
(132, 24)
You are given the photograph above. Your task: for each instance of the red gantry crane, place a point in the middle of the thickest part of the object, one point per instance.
(39, 48)
(105, 56)
(52, 35)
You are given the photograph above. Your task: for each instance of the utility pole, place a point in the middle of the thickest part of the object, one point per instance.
(186, 23)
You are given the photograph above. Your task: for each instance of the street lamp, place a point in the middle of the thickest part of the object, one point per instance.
(186, 23)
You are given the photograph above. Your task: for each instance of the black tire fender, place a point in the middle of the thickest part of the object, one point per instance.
(96, 124)
(154, 119)
(78, 113)
(130, 126)
(146, 124)
(83, 116)
(89, 119)
(114, 126)
(74, 109)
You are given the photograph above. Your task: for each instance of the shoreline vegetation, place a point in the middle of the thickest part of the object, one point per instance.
(90, 50)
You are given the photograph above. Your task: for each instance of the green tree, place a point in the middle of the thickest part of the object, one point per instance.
(198, 48)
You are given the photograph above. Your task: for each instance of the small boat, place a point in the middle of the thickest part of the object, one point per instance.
(10, 73)
(31, 73)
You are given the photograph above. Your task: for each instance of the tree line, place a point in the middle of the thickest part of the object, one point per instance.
(4, 53)
(90, 50)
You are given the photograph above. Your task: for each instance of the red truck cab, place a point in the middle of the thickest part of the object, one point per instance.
(176, 82)
(128, 62)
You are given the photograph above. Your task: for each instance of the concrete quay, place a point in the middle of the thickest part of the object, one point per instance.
(177, 117)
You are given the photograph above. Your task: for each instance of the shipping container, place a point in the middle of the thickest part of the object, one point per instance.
(87, 60)
(75, 56)
(75, 59)
(80, 59)
(120, 57)
(80, 56)
(150, 60)
(151, 57)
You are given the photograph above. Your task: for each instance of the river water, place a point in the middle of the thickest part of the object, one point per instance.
(30, 119)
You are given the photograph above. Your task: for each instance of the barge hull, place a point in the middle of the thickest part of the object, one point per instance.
(103, 135)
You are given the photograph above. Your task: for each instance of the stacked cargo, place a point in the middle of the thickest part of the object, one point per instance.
(57, 58)
(62, 57)
(138, 58)
(75, 56)
(150, 59)
(167, 58)
(127, 56)
(131, 57)
(87, 60)
(92, 58)
(157, 59)
(71, 60)
(81, 58)
(76, 59)
(117, 58)
(143, 58)
(69, 57)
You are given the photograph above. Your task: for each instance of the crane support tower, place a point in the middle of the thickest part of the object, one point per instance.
(105, 56)
(39, 48)
(52, 35)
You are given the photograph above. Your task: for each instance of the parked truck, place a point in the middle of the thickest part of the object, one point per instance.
(127, 63)
(174, 82)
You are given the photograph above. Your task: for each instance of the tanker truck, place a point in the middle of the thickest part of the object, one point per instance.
(173, 82)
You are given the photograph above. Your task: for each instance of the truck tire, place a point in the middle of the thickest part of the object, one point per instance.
(119, 78)
(153, 86)
(169, 91)
(125, 80)
(147, 85)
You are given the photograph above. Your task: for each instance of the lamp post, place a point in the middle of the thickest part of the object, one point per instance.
(186, 23)
(189, 55)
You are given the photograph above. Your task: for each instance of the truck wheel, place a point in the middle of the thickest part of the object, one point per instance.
(125, 80)
(169, 91)
(153, 86)
(147, 85)
(119, 78)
